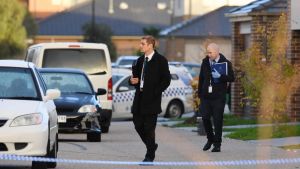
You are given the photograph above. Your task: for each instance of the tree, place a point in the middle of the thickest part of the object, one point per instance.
(30, 25)
(100, 34)
(268, 77)
(12, 31)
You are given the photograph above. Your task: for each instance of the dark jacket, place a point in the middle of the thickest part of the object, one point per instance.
(157, 79)
(218, 89)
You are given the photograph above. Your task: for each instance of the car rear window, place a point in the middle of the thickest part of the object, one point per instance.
(92, 61)
(67, 82)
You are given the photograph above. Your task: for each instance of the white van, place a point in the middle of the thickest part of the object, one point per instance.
(176, 99)
(92, 58)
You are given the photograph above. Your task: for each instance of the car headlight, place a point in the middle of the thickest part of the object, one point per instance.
(87, 109)
(27, 120)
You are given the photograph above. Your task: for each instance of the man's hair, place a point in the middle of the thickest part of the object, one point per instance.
(214, 46)
(150, 40)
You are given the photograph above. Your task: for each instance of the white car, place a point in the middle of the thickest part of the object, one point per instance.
(126, 60)
(176, 99)
(28, 118)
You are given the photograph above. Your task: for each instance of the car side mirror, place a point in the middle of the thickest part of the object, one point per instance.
(123, 89)
(52, 94)
(101, 91)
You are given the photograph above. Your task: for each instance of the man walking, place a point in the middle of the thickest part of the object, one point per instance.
(151, 76)
(212, 89)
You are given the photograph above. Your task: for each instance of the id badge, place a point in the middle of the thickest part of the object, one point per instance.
(209, 89)
(142, 84)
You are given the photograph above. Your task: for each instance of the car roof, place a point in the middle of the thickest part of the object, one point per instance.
(128, 57)
(126, 71)
(176, 63)
(75, 45)
(191, 64)
(16, 63)
(61, 70)
(122, 71)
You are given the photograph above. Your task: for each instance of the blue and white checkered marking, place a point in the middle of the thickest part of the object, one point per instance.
(120, 97)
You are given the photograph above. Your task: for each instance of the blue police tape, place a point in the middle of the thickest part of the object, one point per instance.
(204, 163)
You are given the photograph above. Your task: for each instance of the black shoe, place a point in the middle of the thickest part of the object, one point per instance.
(155, 147)
(216, 149)
(147, 161)
(207, 146)
(151, 153)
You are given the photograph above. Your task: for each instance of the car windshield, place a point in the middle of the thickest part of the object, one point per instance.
(67, 82)
(17, 83)
(92, 61)
(126, 61)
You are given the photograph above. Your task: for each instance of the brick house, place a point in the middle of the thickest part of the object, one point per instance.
(187, 40)
(41, 9)
(126, 21)
(245, 20)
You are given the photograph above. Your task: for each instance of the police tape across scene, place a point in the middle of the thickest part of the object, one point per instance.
(8, 157)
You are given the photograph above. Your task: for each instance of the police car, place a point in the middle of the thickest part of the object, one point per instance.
(176, 99)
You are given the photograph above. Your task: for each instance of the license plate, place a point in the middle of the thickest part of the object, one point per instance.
(62, 119)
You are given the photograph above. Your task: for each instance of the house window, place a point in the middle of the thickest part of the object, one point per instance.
(295, 17)
(247, 41)
(245, 31)
(161, 6)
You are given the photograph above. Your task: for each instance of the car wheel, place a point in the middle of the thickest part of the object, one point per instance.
(53, 154)
(94, 136)
(104, 129)
(175, 109)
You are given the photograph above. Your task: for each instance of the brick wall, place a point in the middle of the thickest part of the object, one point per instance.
(237, 48)
(294, 56)
(240, 106)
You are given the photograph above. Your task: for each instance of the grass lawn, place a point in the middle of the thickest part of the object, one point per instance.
(297, 146)
(257, 133)
(229, 120)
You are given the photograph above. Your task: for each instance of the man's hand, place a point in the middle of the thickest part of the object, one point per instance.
(134, 80)
(215, 74)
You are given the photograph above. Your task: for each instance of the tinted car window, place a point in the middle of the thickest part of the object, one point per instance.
(92, 61)
(194, 70)
(184, 77)
(174, 77)
(17, 83)
(125, 83)
(67, 82)
(116, 78)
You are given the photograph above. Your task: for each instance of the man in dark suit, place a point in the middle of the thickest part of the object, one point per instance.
(212, 89)
(150, 76)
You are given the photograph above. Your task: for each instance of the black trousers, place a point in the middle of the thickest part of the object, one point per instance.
(213, 108)
(145, 126)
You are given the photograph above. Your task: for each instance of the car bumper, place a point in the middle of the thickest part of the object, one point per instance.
(24, 140)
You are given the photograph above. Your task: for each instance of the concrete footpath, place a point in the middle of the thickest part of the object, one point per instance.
(276, 142)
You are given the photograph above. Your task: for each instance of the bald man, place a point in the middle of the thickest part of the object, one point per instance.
(212, 89)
